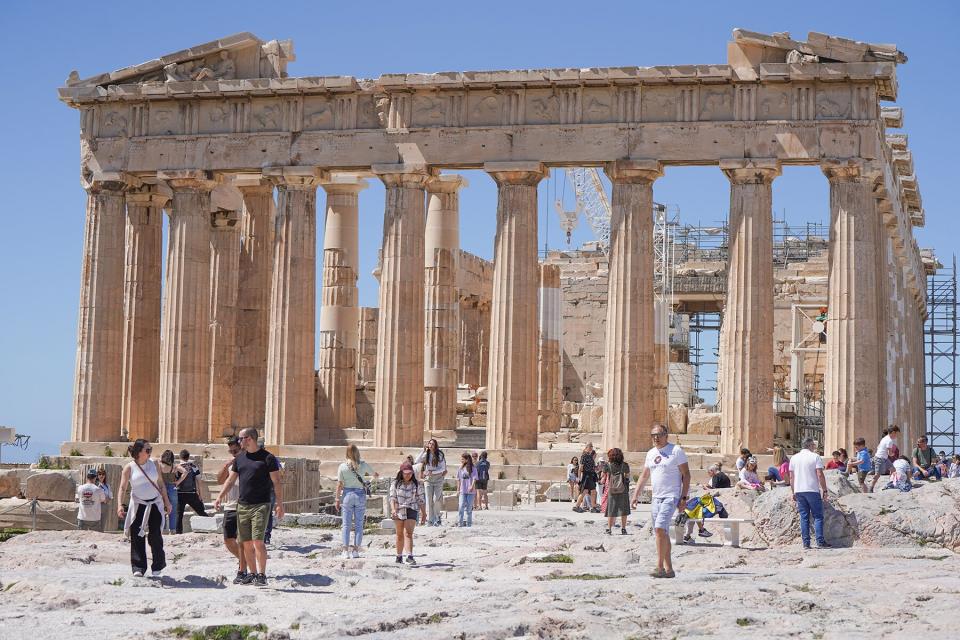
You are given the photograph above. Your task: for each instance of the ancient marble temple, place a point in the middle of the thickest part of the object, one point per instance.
(235, 152)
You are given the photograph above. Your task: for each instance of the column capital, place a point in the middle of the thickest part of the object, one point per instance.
(250, 182)
(224, 220)
(295, 177)
(147, 196)
(446, 183)
(344, 183)
(188, 179)
(516, 173)
(849, 169)
(633, 171)
(402, 174)
(113, 181)
(751, 170)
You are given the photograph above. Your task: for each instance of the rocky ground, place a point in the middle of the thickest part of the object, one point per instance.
(480, 583)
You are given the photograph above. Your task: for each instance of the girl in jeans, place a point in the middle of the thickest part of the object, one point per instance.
(406, 508)
(466, 481)
(168, 470)
(434, 466)
(352, 496)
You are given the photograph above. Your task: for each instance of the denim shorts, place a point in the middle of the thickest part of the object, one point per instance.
(661, 512)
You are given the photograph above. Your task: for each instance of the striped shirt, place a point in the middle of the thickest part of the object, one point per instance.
(408, 495)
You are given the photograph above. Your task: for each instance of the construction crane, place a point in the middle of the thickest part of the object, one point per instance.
(592, 202)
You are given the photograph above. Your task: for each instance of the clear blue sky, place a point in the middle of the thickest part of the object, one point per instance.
(43, 212)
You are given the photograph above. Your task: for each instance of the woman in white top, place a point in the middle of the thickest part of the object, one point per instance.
(143, 520)
(351, 493)
(434, 469)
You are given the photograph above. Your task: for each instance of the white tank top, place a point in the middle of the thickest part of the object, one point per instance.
(142, 487)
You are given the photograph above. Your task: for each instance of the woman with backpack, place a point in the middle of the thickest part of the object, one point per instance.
(143, 517)
(168, 470)
(466, 482)
(351, 496)
(406, 508)
(483, 480)
(618, 490)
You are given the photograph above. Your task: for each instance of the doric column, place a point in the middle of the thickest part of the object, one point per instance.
(442, 313)
(747, 348)
(97, 380)
(851, 384)
(185, 342)
(512, 404)
(549, 387)
(253, 303)
(224, 272)
(290, 359)
(398, 411)
(628, 386)
(140, 406)
(339, 313)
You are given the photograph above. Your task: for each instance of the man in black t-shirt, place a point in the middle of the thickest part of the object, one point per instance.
(258, 471)
(588, 479)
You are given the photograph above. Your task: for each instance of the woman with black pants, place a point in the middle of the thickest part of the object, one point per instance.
(143, 520)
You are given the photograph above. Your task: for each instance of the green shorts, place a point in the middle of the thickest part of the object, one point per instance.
(252, 521)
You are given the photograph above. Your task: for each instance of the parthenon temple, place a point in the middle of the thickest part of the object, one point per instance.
(216, 331)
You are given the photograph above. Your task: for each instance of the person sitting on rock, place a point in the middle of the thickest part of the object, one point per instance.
(900, 476)
(749, 478)
(954, 471)
(742, 460)
(780, 471)
(925, 465)
(716, 479)
(834, 462)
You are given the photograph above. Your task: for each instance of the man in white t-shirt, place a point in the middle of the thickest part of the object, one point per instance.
(808, 485)
(881, 459)
(89, 499)
(667, 468)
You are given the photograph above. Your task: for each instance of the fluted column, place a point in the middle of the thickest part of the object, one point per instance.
(628, 386)
(224, 273)
(290, 359)
(253, 303)
(185, 350)
(140, 405)
(97, 380)
(339, 313)
(398, 411)
(512, 404)
(549, 394)
(851, 384)
(747, 348)
(442, 312)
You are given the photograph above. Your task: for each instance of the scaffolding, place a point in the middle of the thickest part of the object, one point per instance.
(940, 351)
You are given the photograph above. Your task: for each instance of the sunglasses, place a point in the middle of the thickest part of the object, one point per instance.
(658, 435)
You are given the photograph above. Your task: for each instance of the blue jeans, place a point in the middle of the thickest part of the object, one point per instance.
(934, 469)
(810, 503)
(353, 506)
(466, 507)
(774, 473)
(172, 496)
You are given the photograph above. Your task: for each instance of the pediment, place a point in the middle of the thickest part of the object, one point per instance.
(240, 56)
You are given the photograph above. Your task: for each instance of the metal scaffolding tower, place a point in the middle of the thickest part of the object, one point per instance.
(940, 350)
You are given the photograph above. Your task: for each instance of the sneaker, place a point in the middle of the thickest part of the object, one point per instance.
(355, 554)
(578, 509)
(260, 580)
(704, 533)
(595, 510)
(823, 544)
(241, 576)
(656, 573)
(345, 555)
(669, 574)
(411, 560)
(156, 573)
(608, 531)
(623, 531)
(138, 574)
(688, 539)
(248, 578)
(399, 560)
(806, 545)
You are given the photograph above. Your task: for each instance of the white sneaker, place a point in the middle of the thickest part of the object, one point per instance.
(345, 555)
(156, 573)
(355, 554)
(138, 574)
